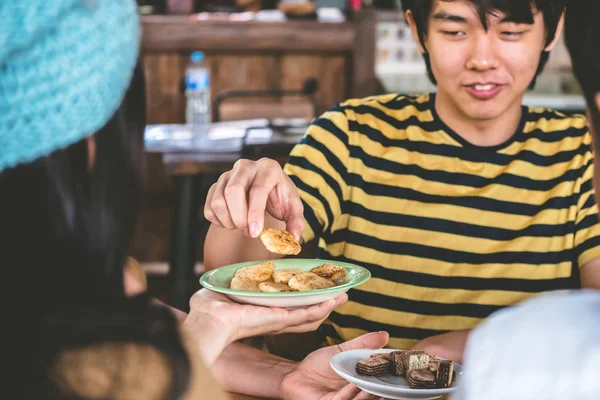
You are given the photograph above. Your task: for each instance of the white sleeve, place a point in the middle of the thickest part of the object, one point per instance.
(547, 348)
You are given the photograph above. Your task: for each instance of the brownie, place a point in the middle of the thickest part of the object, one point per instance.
(404, 361)
(373, 366)
(421, 379)
(444, 374)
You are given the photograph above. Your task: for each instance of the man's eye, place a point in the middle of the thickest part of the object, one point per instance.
(453, 33)
(512, 34)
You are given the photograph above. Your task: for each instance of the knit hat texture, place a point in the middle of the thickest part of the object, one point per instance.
(65, 66)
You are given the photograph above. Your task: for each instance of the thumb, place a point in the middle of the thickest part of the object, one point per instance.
(374, 341)
(296, 226)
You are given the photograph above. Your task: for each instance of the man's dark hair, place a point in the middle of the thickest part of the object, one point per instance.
(582, 35)
(519, 11)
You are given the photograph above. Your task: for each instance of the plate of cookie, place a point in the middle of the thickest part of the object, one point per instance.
(288, 282)
(398, 374)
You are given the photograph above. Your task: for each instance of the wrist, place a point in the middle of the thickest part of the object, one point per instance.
(285, 383)
(210, 335)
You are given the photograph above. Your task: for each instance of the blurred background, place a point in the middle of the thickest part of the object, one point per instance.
(228, 79)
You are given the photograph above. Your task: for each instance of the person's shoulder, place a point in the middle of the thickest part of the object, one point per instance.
(385, 102)
(556, 124)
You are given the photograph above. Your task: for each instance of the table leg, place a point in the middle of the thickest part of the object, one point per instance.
(183, 241)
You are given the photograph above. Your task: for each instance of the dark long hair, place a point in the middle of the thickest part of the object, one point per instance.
(65, 228)
(582, 36)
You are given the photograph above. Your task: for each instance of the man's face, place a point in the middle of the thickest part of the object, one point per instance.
(482, 74)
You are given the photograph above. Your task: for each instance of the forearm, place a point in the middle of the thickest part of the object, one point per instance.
(449, 345)
(246, 370)
(240, 247)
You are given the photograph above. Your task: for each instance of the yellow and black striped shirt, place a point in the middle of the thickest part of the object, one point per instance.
(450, 231)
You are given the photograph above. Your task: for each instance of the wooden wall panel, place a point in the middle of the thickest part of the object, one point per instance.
(244, 72)
(164, 97)
(331, 73)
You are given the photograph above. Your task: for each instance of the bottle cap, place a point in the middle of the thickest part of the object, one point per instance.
(197, 56)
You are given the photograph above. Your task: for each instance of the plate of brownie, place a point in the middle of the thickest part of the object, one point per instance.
(398, 374)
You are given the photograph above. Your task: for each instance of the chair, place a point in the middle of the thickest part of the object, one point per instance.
(241, 104)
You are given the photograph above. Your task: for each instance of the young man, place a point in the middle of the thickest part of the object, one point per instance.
(549, 347)
(460, 203)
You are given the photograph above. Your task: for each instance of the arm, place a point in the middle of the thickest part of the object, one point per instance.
(266, 375)
(244, 369)
(590, 275)
(449, 345)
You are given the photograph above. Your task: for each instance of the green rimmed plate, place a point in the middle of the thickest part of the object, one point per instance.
(218, 281)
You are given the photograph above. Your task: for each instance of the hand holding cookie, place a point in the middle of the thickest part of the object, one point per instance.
(242, 195)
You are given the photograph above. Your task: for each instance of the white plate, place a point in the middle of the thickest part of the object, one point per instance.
(388, 385)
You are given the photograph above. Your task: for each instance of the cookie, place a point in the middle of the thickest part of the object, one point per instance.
(398, 366)
(421, 379)
(373, 366)
(272, 287)
(387, 356)
(444, 374)
(280, 242)
(329, 271)
(244, 285)
(284, 275)
(434, 364)
(309, 281)
(405, 361)
(258, 272)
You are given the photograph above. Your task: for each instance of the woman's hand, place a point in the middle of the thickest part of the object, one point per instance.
(313, 378)
(217, 321)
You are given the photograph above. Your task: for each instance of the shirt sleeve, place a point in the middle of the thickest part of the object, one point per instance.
(587, 228)
(318, 166)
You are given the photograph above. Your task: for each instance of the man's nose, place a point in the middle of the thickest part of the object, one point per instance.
(483, 54)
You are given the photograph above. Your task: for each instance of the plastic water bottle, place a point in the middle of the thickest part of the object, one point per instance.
(197, 83)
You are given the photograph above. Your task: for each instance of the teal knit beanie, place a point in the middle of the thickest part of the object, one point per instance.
(64, 68)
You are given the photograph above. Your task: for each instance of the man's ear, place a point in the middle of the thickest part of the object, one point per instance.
(597, 100)
(410, 18)
(559, 30)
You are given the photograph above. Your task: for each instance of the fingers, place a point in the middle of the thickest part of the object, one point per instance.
(293, 208)
(348, 392)
(351, 392)
(318, 312)
(216, 209)
(375, 340)
(239, 198)
(306, 320)
(294, 217)
(235, 193)
(311, 318)
(272, 175)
